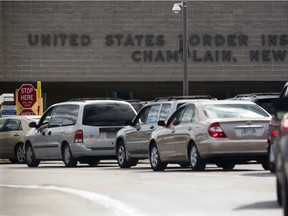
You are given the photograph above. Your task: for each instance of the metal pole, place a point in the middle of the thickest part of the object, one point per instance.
(185, 50)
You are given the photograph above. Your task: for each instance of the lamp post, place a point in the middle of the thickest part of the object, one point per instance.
(176, 9)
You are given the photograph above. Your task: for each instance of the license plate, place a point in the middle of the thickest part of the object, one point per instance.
(110, 134)
(248, 131)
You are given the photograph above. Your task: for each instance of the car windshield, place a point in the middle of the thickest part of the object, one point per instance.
(233, 111)
(110, 114)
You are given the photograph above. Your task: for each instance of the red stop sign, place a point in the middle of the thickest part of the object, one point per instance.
(27, 96)
(27, 112)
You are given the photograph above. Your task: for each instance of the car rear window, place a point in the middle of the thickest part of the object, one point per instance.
(233, 111)
(109, 114)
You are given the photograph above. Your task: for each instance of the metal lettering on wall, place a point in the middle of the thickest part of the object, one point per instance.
(59, 39)
(202, 48)
(198, 54)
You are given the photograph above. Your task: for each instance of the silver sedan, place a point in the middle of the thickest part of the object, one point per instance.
(224, 133)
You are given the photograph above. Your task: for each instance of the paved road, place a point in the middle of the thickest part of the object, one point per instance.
(52, 189)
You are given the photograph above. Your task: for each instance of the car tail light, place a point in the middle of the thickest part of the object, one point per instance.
(274, 132)
(216, 131)
(285, 125)
(78, 136)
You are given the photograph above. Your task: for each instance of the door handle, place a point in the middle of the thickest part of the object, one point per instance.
(189, 128)
(16, 135)
(152, 127)
(43, 133)
(49, 132)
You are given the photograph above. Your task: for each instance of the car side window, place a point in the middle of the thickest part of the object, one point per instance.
(142, 116)
(64, 115)
(13, 125)
(45, 119)
(176, 117)
(153, 114)
(164, 112)
(189, 114)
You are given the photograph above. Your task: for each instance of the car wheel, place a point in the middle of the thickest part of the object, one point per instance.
(197, 164)
(184, 165)
(67, 157)
(93, 162)
(31, 160)
(271, 165)
(265, 164)
(20, 153)
(122, 157)
(228, 166)
(284, 196)
(279, 191)
(155, 160)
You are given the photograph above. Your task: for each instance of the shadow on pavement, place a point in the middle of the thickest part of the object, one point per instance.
(260, 205)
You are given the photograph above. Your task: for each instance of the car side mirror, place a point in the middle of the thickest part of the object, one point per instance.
(33, 125)
(161, 123)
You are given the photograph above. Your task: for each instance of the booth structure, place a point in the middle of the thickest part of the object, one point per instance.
(7, 104)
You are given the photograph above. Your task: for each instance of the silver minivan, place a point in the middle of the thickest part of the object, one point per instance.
(77, 131)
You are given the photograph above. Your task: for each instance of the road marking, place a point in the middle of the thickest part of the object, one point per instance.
(117, 207)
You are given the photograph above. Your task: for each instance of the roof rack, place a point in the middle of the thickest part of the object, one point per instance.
(257, 94)
(182, 97)
(85, 99)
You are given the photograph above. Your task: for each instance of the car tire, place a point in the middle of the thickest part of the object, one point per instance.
(196, 162)
(226, 166)
(122, 156)
(155, 160)
(184, 165)
(284, 196)
(271, 165)
(31, 160)
(265, 164)
(279, 192)
(93, 162)
(67, 157)
(20, 153)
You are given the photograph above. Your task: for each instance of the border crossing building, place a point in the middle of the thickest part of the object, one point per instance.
(132, 49)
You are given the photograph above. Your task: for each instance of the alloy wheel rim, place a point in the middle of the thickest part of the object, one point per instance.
(29, 154)
(20, 154)
(193, 156)
(154, 157)
(66, 154)
(121, 154)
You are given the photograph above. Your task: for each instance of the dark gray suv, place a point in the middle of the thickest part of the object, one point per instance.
(77, 131)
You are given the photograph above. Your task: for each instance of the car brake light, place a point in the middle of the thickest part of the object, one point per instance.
(78, 136)
(274, 133)
(216, 131)
(285, 124)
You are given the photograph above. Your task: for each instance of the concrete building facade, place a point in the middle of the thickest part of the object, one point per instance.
(93, 48)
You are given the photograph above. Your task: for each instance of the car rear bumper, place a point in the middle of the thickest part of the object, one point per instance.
(227, 148)
(80, 150)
